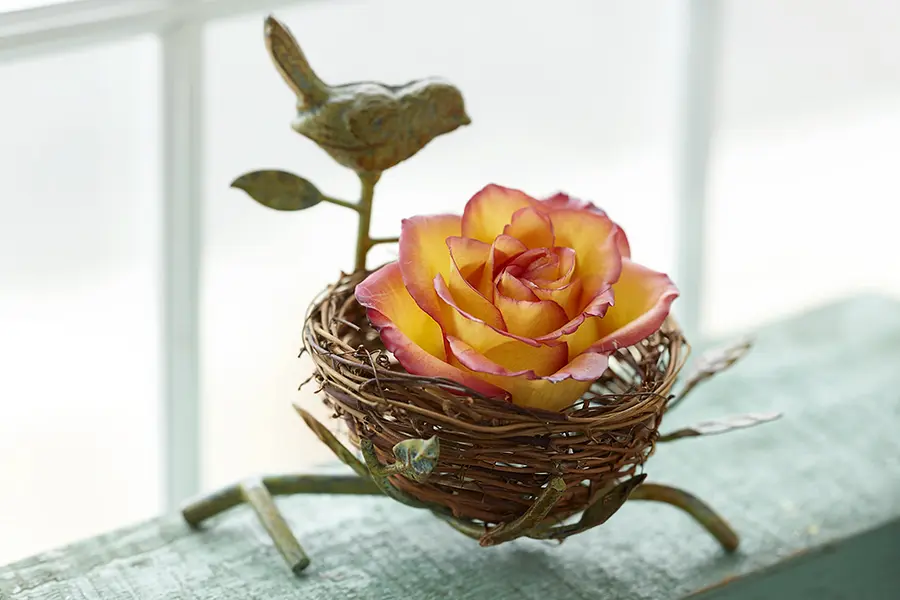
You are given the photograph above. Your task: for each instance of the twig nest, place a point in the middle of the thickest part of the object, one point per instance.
(495, 457)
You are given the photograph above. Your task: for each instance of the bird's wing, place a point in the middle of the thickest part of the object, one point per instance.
(376, 119)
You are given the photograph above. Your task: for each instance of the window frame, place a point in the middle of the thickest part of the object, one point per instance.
(179, 27)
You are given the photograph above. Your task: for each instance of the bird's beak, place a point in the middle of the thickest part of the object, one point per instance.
(465, 120)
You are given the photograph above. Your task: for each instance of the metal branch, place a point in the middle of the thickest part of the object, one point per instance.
(604, 507)
(531, 519)
(259, 498)
(258, 494)
(710, 364)
(364, 208)
(377, 241)
(328, 438)
(696, 508)
(342, 203)
(198, 510)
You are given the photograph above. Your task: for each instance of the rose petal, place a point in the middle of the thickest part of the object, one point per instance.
(569, 296)
(542, 358)
(469, 255)
(554, 392)
(531, 227)
(506, 360)
(575, 333)
(423, 254)
(526, 259)
(594, 239)
(408, 332)
(543, 269)
(490, 210)
(584, 330)
(383, 291)
(512, 287)
(503, 249)
(643, 298)
(622, 243)
(530, 318)
(464, 254)
(565, 268)
(418, 362)
(562, 201)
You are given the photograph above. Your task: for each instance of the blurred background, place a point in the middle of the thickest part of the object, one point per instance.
(150, 316)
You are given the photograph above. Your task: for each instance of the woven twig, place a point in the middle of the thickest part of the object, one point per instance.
(495, 457)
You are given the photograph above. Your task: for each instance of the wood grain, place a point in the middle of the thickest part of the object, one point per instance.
(827, 472)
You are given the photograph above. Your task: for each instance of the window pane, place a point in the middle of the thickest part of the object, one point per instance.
(13, 5)
(804, 178)
(560, 99)
(78, 310)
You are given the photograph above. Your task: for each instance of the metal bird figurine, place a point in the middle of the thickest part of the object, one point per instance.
(366, 126)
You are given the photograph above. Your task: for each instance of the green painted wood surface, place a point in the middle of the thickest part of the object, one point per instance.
(822, 484)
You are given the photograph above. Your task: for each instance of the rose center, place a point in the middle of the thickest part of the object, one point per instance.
(542, 267)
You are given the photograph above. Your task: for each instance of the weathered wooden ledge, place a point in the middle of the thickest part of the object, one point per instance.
(815, 497)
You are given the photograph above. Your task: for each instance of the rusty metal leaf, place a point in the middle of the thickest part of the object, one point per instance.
(279, 190)
(328, 438)
(711, 363)
(720, 426)
(416, 458)
(597, 513)
(600, 511)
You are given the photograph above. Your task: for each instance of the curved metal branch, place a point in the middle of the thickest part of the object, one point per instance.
(198, 510)
(701, 512)
(719, 426)
(258, 494)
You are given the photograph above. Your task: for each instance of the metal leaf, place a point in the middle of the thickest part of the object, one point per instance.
(529, 523)
(417, 458)
(720, 426)
(600, 511)
(597, 513)
(711, 363)
(381, 477)
(279, 189)
(328, 438)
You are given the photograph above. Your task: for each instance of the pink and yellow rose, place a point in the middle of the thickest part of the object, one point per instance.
(518, 298)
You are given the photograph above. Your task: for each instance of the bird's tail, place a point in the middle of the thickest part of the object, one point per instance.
(292, 64)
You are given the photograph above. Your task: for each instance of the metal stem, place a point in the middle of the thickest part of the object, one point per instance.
(376, 241)
(344, 203)
(363, 242)
(696, 508)
(198, 510)
(259, 498)
(258, 494)
(532, 517)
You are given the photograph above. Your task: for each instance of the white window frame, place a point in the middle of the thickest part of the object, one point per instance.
(179, 25)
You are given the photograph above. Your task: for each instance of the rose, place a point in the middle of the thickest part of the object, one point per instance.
(519, 298)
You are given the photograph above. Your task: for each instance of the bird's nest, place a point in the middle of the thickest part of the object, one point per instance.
(495, 457)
